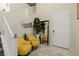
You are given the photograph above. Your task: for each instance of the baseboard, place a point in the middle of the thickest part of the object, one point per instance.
(62, 47)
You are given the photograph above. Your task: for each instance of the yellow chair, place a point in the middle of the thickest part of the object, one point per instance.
(34, 41)
(24, 47)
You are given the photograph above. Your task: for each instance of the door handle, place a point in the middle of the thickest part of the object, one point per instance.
(53, 31)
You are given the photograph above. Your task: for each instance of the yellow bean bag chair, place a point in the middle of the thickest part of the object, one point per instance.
(24, 47)
(34, 41)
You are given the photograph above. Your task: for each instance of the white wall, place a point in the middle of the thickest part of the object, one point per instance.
(47, 9)
(19, 12)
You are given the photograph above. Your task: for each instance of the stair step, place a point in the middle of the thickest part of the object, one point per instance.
(0, 39)
(1, 54)
(0, 44)
(1, 49)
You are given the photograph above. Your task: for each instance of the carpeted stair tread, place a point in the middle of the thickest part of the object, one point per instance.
(1, 52)
(0, 44)
(1, 49)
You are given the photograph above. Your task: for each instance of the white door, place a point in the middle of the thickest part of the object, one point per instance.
(61, 29)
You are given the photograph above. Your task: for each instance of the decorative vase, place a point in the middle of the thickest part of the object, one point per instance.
(37, 35)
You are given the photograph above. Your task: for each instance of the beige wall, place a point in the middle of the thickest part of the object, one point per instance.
(50, 8)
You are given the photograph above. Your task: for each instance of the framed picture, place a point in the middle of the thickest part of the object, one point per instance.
(26, 25)
(77, 10)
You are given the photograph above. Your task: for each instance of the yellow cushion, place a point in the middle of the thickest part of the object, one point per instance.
(34, 41)
(20, 40)
(24, 47)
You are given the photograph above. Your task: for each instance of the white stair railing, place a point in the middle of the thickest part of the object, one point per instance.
(8, 27)
(8, 40)
(11, 22)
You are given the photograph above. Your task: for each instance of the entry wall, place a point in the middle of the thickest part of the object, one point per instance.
(47, 9)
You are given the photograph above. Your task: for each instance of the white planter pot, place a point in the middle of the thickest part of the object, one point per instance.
(37, 35)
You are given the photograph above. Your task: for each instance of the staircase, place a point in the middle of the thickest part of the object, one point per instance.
(1, 49)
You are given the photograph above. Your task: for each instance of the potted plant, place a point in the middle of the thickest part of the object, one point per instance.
(25, 36)
(37, 26)
(42, 26)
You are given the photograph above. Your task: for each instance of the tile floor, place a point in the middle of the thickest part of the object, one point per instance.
(45, 50)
